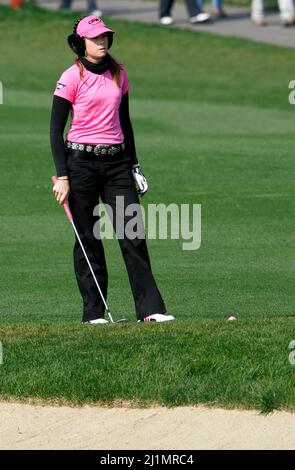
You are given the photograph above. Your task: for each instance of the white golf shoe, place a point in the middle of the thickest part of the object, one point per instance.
(157, 317)
(166, 20)
(200, 18)
(96, 13)
(97, 321)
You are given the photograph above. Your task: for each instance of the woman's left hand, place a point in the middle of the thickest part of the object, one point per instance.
(140, 180)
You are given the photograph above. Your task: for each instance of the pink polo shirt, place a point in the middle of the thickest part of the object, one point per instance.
(95, 105)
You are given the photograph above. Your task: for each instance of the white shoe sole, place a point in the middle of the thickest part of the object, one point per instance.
(158, 318)
(200, 18)
(166, 20)
(97, 13)
(98, 321)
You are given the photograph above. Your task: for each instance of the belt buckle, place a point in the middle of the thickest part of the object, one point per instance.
(100, 150)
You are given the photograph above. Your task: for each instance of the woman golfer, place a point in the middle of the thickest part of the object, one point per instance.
(98, 160)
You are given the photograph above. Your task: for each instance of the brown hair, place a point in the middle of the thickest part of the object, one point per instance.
(115, 69)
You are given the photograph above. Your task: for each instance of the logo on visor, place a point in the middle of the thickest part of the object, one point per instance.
(60, 86)
(94, 20)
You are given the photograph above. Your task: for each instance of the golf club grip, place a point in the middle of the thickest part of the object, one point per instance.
(65, 204)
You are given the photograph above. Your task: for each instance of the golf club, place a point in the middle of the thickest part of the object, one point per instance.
(70, 217)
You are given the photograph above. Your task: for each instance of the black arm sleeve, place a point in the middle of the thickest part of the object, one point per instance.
(127, 129)
(59, 116)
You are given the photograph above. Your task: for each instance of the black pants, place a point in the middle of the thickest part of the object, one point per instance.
(67, 4)
(91, 179)
(166, 6)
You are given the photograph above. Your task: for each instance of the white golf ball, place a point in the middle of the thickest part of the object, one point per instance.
(232, 318)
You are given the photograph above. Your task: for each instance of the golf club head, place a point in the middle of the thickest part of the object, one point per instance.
(123, 320)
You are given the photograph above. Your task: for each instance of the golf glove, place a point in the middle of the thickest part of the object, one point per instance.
(140, 181)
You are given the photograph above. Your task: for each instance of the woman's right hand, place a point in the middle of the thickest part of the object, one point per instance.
(61, 190)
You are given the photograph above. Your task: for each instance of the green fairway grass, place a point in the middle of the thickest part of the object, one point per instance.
(214, 127)
(236, 364)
